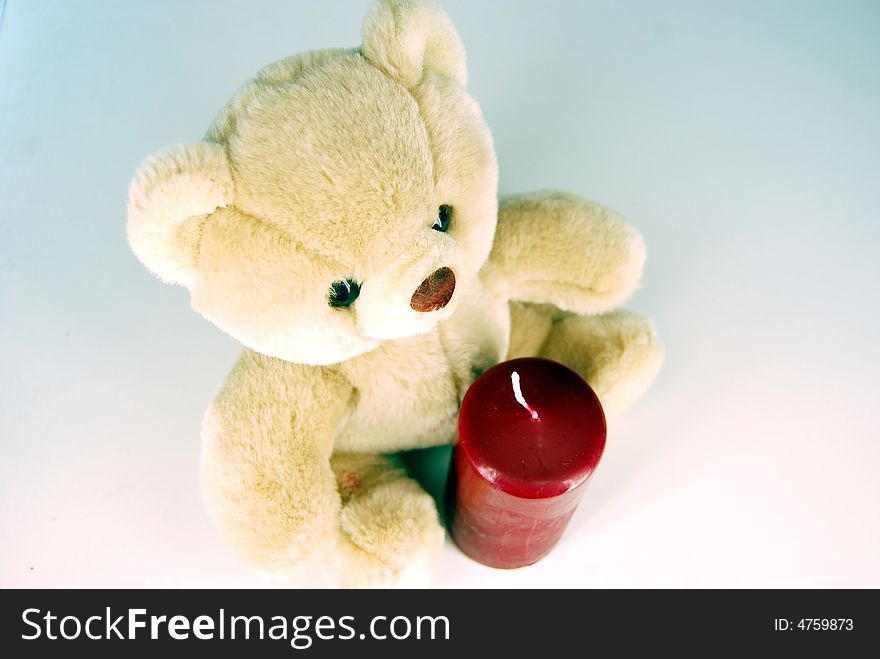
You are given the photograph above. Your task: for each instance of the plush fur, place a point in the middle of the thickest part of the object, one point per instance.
(329, 166)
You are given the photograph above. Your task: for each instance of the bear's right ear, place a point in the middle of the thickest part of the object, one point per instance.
(405, 37)
(172, 194)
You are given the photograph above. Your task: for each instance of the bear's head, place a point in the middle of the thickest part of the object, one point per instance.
(341, 199)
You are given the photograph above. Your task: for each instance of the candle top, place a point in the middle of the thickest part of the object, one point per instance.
(532, 427)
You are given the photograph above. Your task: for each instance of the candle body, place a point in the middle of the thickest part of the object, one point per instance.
(530, 435)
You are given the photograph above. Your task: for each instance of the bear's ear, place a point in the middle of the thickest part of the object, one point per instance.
(172, 194)
(403, 38)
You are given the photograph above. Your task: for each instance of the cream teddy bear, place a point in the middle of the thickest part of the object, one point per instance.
(341, 220)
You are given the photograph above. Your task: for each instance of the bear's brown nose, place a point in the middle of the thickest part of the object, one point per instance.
(435, 292)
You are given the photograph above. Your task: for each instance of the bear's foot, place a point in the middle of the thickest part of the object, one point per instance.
(617, 353)
(390, 533)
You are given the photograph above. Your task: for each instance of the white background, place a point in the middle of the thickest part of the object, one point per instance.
(741, 138)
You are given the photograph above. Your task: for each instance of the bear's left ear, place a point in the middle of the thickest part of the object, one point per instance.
(170, 198)
(403, 38)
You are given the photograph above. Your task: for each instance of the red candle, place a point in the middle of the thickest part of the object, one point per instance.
(530, 434)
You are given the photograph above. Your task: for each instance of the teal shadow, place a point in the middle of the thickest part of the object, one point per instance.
(430, 468)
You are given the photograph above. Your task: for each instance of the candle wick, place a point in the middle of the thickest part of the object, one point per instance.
(518, 394)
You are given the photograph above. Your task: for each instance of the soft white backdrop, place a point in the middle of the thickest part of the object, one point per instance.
(742, 138)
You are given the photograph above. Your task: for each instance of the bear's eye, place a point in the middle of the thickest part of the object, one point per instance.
(444, 217)
(343, 293)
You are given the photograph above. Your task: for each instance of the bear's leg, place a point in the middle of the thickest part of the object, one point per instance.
(390, 532)
(618, 352)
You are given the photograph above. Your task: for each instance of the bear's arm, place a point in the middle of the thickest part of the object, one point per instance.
(266, 444)
(553, 247)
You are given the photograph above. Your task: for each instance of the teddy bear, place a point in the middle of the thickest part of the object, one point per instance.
(341, 219)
